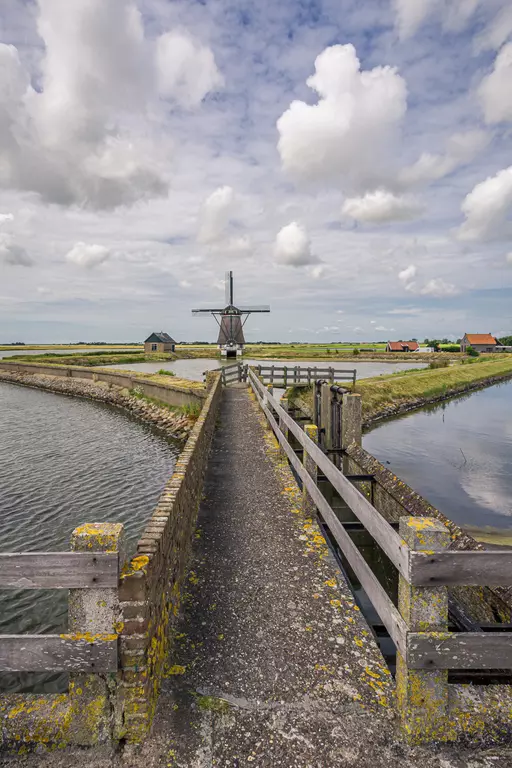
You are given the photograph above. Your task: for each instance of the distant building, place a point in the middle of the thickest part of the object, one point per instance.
(481, 342)
(403, 346)
(159, 342)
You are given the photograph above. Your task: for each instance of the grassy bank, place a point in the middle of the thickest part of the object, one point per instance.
(318, 353)
(57, 347)
(94, 358)
(387, 395)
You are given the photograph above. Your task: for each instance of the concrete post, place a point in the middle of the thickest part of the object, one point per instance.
(308, 506)
(422, 696)
(94, 612)
(351, 425)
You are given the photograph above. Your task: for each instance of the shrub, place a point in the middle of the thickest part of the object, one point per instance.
(164, 372)
(355, 352)
(472, 352)
(439, 364)
(450, 348)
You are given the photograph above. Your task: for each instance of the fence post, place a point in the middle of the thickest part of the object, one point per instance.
(422, 696)
(326, 417)
(308, 506)
(282, 426)
(93, 612)
(351, 425)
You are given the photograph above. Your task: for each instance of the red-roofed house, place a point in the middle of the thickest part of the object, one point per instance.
(481, 342)
(403, 346)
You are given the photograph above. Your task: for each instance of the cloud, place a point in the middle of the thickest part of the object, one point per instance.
(90, 134)
(495, 90)
(346, 137)
(404, 311)
(381, 207)
(453, 14)
(6, 217)
(185, 284)
(407, 275)
(12, 253)
(487, 209)
(496, 33)
(383, 328)
(215, 214)
(88, 256)
(438, 288)
(318, 271)
(293, 247)
(461, 149)
(508, 258)
(187, 71)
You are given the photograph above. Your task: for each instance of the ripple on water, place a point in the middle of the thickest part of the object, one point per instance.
(63, 462)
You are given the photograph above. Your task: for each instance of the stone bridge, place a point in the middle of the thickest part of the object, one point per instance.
(234, 636)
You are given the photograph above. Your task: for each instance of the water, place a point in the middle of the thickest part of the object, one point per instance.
(21, 351)
(458, 455)
(195, 368)
(63, 462)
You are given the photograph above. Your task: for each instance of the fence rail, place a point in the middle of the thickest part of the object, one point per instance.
(419, 569)
(92, 646)
(283, 376)
(58, 570)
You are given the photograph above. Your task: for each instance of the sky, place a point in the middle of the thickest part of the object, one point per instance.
(350, 162)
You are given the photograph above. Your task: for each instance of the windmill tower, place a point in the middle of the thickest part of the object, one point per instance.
(231, 321)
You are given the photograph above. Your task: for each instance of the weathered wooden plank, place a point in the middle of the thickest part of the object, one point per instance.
(57, 653)
(58, 570)
(464, 650)
(383, 605)
(449, 568)
(387, 538)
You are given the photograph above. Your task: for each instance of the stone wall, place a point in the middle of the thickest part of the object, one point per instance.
(169, 393)
(152, 582)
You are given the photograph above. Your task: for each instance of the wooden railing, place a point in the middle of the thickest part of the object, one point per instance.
(89, 645)
(419, 626)
(284, 376)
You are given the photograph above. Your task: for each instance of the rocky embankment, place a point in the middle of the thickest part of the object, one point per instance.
(173, 424)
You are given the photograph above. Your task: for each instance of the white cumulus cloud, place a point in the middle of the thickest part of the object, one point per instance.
(12, 253)
(487, 209)
(461, 149)
(90, 134)
(88, 256)
(347, 136)
(508, 258)
(215, 214)
(495, 90)
(187, 71)
(293, 247)
(382, 206)
(407, 275)
(497, 32)
(6, 217)
(439, 288)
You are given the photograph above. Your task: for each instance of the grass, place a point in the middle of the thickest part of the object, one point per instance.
(93, 358)
(78, 347)
(191, 411)
(416, 386)
(165, 372)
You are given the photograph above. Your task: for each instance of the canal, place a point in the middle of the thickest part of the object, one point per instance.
(458, 455)
(195, 368)
(65, 461)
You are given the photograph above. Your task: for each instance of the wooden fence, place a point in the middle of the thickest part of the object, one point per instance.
(284, 376)
(68, 651)
(419, 626)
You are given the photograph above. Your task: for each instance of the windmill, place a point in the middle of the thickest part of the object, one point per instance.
(231, 321)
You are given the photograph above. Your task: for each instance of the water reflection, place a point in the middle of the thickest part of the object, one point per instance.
(458, 454)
